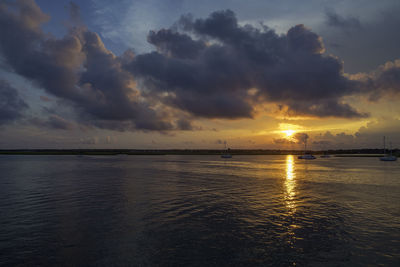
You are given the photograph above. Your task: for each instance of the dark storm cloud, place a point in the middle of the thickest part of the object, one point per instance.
(212, 67)
(241, 67)
(194, 85)
(325, 108)
(11, 105)
(77, 68)
(175, 44)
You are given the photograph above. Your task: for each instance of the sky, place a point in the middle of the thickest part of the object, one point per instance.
(199, 74)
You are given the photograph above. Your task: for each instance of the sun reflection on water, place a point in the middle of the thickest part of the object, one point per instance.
(290, 202)
(290, 183)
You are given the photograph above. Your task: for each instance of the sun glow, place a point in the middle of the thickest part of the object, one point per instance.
(289, 133)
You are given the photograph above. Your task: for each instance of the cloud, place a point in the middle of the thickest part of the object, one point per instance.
(385, 80)
(374, 131)
(335, 20)
(77, 68)
(297, 138)
(184, 124)
(175, 44)
(300, 138)
(208, 67)
(54, 122)
(339, 140)
(11, 105)
(325, 108)
(223, 62)
(370, 136)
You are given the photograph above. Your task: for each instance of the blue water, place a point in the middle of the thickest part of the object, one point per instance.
(198, 211)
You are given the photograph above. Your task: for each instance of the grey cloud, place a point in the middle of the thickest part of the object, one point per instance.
(300, 138)
(302, 39)
(325, 108)
(184, 124)
(54, 122)
(11, 104)
(215, 81)
(194, 85)
(385, 80)
(210, 67)
(369, 136)
(335, 20)
(175, 44)
(374, 131)
(76, 68)
(330, 140)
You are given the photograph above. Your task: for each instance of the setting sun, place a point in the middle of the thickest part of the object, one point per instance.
(289, 133)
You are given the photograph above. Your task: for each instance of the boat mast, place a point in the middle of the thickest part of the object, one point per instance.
(305, 145)
(384, 145)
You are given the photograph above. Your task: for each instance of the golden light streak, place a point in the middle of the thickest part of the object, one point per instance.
(290, 183)
(290, 194)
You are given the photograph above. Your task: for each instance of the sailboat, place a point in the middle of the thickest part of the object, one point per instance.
(226, 154)
(306, 156)
(387, 157)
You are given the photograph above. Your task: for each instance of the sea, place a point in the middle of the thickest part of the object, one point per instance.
(198, 210)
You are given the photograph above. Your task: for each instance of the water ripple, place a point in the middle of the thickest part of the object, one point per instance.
(198, 210)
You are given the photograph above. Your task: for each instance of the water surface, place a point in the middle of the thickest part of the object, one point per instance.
(198, 210)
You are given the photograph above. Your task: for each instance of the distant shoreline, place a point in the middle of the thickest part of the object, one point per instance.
(111, 152)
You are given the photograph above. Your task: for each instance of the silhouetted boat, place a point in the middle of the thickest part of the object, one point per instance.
(226, 154)
(387, 157)
(306, 156)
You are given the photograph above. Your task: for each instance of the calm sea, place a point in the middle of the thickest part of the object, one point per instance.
(198, 211)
